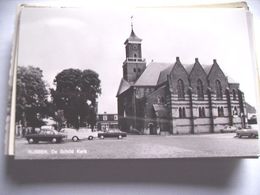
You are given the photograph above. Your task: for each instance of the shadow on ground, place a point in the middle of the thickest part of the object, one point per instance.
(205, 172)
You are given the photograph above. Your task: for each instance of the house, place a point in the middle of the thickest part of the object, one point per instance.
(107, 121)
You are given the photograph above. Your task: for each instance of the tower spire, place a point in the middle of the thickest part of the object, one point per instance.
(132, 38)
(132, 23)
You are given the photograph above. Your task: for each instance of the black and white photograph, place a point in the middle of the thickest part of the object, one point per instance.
(134, 83)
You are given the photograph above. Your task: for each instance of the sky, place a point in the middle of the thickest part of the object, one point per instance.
(55, 39)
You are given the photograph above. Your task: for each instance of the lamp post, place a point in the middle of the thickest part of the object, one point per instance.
(243, 119)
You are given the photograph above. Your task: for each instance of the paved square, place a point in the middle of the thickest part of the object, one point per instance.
(142, 146)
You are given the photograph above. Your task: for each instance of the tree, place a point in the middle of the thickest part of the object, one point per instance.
(76, 93)
(31, 96)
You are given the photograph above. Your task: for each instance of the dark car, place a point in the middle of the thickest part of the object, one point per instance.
(47, 135)
(112, 133)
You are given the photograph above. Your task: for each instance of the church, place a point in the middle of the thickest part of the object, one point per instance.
(176, 98)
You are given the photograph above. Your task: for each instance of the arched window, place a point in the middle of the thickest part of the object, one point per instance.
(219, 90)
(220, 111)
(235, 113)
(180, 113)
(200, 93)
(135, 55)
(180, 88)
(183, 112)
(234, 94)
(203, 112)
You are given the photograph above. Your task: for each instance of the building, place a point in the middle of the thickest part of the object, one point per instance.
(251, 114)
(107, 121)
(176, 98)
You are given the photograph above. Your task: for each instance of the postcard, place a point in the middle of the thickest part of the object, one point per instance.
(139, 83)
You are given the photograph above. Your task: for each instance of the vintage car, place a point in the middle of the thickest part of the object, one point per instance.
(249, 132)
(46, 135)
(112, 133)
(76, 135)
(228, 129)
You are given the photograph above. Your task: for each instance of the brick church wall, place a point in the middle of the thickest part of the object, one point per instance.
(181, 126)
(151, 99)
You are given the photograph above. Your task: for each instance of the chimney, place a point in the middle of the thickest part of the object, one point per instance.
(196, 60)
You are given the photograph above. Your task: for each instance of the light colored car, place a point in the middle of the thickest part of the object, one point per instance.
(88, 132)
(249, 132)
(76, 135)
(228, 129)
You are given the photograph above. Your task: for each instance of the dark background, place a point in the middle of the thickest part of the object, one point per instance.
(182, 176)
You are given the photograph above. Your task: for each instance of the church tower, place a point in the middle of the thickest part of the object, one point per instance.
(134, 64)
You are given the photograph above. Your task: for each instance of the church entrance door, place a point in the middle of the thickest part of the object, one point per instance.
(152, 129)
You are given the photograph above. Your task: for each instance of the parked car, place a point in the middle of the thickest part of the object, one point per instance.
(228, 129)
(249, 132)
(76, 135)
(47, 135)
(88, 131)
(252, 119)
(112, 133)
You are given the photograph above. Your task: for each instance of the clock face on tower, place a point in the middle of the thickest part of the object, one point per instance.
(133, 50)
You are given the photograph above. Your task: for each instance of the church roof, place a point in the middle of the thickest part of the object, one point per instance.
(156, 73)
(151, 74)
(133, 38)
(166, 71)
(124, 85)
(163, 74)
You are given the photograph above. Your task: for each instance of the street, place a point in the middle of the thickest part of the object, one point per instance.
(141, 146)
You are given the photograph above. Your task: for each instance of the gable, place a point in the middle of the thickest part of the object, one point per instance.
(178, 72)
(197, 73)
(217, 74)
